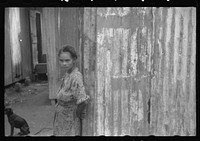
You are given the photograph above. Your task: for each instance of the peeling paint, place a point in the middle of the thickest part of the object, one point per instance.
(140, 107)
(134, 54)
(148, 63)
(113, 11)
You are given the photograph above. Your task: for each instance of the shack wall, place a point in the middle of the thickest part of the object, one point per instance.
(139, 66)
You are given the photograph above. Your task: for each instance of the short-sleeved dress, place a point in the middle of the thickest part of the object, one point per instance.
(66, 122)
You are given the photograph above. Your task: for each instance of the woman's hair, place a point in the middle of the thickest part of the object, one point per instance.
(70, 49)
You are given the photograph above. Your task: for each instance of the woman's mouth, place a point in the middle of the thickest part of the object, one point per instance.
(65, 67)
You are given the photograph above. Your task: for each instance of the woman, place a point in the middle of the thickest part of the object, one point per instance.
(71, 97)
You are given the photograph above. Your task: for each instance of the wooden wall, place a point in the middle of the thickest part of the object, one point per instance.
(139, 69)
(7, 52)
(17, 45)
(26, 43)
(60, 26)
(49, 41)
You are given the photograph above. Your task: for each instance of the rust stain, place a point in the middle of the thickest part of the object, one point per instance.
(108, 93)
(142, 71)
(134, 55)
(106, 12)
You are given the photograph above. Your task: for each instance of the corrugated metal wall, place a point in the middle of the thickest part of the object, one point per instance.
(139, 69)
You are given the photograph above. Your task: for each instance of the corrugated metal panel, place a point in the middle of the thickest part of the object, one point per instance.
(122, 73)
(145, 70)
(49, 22)
(173, 84)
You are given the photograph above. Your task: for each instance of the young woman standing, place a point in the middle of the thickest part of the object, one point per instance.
(71, 96)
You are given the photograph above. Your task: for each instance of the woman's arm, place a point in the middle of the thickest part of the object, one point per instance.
(81, 97)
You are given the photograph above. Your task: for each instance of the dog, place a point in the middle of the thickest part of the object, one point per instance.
(17, 122)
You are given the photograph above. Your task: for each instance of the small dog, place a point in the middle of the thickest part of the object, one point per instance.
(17, 122)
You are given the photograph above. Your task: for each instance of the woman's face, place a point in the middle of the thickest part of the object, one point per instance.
(66, 60)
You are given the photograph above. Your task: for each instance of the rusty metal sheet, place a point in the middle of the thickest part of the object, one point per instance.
(174, 38)
(143, 55)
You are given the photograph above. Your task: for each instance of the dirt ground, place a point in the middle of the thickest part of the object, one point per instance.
(33, 104)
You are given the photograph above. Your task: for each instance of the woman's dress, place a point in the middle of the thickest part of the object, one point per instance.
(70, 94)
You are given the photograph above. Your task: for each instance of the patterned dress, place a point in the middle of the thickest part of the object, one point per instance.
(66, 123)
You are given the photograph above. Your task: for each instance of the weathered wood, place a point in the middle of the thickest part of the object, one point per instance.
(25, 44)
(50, 44)
(33, 35)
(89, 67)
(7, 51)
(17, 45)
(15, 39)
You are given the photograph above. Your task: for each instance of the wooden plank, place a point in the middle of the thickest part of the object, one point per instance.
(50, 30)
(34, 36)
(92, 67)
(25, 44)
(89, 67)
(15, 30)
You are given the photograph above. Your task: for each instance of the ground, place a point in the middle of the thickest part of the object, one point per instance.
(33, 104)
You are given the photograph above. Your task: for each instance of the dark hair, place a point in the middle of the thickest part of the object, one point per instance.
(70, 49)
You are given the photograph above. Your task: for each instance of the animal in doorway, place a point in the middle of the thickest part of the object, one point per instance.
(17, 122)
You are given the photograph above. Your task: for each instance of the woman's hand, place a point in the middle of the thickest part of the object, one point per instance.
(81, 110)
